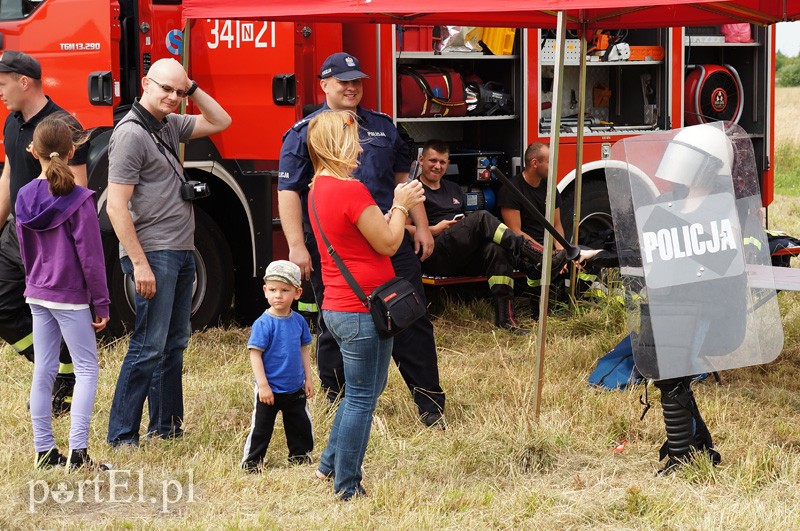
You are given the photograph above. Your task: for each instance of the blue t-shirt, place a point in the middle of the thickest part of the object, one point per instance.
(280, 339)
(385, 153)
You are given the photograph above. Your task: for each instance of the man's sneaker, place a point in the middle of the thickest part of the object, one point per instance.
(434, 420)
(62, 394)
(49, 459)
(80, 459)
(359, 492)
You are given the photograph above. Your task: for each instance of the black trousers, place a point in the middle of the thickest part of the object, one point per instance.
(16, 324)
(414, 350)
(296, 423)
(468, 248)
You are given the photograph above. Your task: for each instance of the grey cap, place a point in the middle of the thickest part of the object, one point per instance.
(283, 271)
(21, 63)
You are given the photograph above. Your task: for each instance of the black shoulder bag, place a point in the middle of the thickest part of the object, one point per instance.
(394, 305)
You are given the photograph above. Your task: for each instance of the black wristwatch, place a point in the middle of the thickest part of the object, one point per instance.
(192, 88)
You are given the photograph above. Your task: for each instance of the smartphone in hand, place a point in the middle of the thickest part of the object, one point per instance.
(457, 217)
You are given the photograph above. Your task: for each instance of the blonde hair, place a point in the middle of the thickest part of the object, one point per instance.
(333, 143)
(53, 140)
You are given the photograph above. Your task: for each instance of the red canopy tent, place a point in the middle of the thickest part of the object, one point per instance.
(560, 14)
(605, 14)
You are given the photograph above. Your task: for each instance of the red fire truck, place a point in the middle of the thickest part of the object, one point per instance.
(94, 52)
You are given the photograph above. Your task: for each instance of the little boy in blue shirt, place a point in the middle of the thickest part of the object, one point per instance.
(279, 348)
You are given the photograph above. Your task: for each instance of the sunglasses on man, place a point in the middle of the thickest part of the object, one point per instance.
(181, 93)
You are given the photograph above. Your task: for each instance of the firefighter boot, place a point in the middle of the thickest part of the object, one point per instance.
(62, 393)
(504, 310)
(530, 260)
(686, 431)
(64, 384)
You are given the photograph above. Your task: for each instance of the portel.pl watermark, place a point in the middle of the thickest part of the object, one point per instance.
(113, 487)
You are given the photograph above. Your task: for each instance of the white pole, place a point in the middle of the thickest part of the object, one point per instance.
(555, 134)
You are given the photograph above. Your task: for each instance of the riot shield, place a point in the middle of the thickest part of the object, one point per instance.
(687, 217)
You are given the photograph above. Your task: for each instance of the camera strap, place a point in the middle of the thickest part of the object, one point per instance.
(160, 144)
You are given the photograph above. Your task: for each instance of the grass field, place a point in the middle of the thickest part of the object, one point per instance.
(787, 141)
(493, 468)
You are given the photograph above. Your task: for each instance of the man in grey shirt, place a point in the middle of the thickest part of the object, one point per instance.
(155, 227)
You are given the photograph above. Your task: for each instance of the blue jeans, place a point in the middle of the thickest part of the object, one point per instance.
(366, 367)
(154, 362)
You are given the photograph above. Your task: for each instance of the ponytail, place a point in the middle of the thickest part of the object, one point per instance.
(53, 140)
(59, 176)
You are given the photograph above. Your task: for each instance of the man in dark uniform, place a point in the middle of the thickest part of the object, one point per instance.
(478, 244)
(21, 91)
(384, 162)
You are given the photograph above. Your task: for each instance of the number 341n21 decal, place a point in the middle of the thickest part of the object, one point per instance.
(235, 33)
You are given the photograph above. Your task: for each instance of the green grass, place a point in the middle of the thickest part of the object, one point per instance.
(787, 170)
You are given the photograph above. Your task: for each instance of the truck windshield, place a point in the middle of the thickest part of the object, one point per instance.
(16, 9)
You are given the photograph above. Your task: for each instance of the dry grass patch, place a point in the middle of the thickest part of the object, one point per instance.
(493, 468)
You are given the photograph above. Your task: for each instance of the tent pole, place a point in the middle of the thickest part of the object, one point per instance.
(576, 216)
(547, 260)
(187, 28)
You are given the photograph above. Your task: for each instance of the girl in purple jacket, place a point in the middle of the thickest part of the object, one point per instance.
(65, 276)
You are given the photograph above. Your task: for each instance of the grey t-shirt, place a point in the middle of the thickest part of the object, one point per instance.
(163, 220)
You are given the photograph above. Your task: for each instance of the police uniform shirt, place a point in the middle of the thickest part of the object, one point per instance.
(18, 135)
(443, 203)
(537, 196)
(384, 154)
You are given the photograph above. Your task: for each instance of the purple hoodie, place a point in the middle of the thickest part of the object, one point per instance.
(59, 240)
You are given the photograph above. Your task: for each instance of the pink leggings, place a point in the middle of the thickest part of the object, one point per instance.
(49, 326)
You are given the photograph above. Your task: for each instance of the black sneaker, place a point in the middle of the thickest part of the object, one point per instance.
(62, 394)
(80, 459)
(302, 459)
(49, 459)
(434, 420)
(251, 467)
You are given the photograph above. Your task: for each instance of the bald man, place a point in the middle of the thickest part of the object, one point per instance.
(154, 222)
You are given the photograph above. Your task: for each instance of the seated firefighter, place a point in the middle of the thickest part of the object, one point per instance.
(474, 244)
(532, 182)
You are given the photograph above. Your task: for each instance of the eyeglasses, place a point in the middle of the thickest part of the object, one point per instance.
(181, 93)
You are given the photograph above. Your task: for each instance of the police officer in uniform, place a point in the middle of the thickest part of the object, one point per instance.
(384, 162)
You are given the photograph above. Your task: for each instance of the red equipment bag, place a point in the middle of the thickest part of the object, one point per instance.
(430, 91)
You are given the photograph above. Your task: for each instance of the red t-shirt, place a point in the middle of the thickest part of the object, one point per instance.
(339, 204)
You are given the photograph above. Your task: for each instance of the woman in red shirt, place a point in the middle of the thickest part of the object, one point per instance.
(365, 238)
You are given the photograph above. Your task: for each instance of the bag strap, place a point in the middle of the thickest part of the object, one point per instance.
(338, 259)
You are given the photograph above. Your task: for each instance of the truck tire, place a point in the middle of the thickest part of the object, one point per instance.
(595, 210)
(212, 290)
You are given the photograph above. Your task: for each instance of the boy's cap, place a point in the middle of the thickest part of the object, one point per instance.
(20, 63)
(283, 271)
(342, 66)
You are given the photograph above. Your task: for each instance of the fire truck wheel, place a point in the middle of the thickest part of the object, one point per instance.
(212, 289)
(595, 209)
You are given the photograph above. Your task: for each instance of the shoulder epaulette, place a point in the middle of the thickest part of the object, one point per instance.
(378, 113)
(302, 123)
